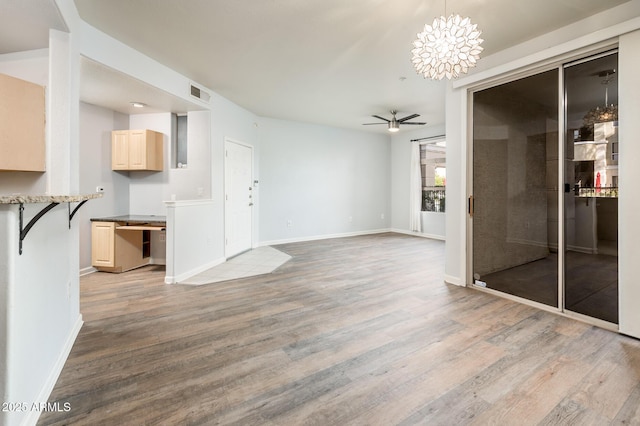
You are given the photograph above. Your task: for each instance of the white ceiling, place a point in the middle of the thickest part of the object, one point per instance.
(24, 24)
(331, 62)
(106, 87)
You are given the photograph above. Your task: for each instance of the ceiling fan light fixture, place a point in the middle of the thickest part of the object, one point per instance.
(447, 48)
(393, 124)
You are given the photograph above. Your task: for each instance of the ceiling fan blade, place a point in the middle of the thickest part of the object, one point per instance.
(408, 117)
(381, 118)
(369, 124)
(415, 124)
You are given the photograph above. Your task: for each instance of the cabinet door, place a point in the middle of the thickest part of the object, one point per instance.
(102, 244)
(120, 150)
(137, 150)
(22, 125)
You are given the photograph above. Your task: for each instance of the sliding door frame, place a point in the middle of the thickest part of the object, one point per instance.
(562, 174)
(559, 64)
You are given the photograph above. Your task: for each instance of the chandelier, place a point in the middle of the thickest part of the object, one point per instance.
(447, 48)
(602, 114)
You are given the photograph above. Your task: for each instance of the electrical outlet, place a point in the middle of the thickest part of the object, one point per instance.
(289, 223)
(162, 237)
(382, 216)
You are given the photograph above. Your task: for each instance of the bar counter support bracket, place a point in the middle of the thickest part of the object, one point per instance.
(73, 213)
(25, 230)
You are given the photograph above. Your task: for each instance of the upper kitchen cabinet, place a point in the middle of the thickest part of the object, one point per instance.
(136, 150)
(22, 125)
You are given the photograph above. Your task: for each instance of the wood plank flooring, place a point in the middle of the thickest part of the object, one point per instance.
(351, 331)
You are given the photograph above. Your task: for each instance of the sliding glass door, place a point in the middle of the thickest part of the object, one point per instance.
(515, 180)
(521, 191)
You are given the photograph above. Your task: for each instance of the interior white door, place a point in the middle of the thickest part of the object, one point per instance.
(238, 198)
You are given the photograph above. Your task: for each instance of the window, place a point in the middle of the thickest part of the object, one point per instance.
(179, 141)
(434, 176)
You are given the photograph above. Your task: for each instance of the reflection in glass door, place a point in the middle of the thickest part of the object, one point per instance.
(515, 181)
(517, 177)
(591, 189)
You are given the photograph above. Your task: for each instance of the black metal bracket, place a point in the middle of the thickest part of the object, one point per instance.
(73, 213)
(25, 230)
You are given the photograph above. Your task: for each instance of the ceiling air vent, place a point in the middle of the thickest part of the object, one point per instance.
(199, 93)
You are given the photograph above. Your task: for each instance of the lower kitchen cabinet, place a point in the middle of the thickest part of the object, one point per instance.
(115, 248)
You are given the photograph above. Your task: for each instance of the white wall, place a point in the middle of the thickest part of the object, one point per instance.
(8, 232)
(434, 225)
(325, 181)
(194, 181)
(456, 130)
(96, 124)
(62, 111)
(191, 247)
(41, 295)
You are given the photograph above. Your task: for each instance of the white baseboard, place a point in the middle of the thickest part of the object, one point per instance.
(33, 416)
(157, 261)
(88, 270)
(195, 271)
(449, 279)
(322, 237)
(418, 234)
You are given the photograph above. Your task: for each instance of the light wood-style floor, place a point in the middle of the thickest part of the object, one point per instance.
(358, 331)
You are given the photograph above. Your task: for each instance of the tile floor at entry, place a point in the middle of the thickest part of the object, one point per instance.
(262, 260)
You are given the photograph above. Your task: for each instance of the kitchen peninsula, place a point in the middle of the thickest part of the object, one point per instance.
(122, 243)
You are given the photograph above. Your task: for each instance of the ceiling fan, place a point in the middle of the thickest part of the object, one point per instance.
(394, 123)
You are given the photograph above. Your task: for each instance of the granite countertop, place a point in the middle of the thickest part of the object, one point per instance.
(132, 219)
(33, 199)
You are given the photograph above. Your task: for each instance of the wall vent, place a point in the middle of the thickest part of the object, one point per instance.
(199, 93)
